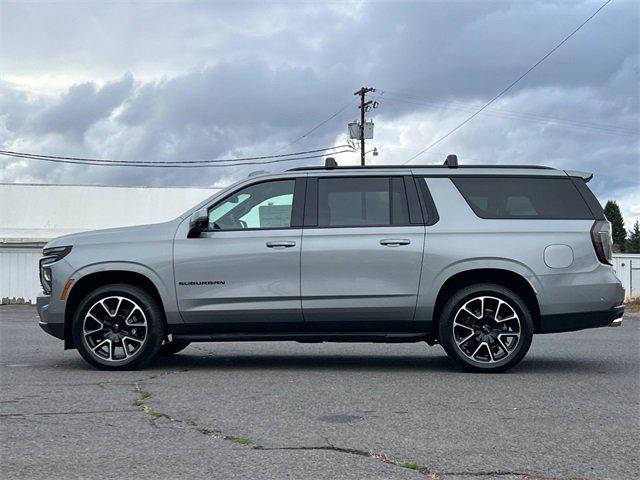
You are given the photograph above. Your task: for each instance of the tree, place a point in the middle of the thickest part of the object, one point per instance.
(618, 232)
(633, 242)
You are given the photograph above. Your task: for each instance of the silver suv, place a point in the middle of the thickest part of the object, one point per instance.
(475, 258)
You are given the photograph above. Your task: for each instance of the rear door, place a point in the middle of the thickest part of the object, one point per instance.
(246, 267)
(362, 249)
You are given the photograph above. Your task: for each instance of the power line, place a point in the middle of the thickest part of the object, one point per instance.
(524, 116)
(316, 127)
(71, 160)
(327, 150)
(511, 85)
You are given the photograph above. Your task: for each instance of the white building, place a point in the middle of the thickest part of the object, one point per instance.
(32, 214)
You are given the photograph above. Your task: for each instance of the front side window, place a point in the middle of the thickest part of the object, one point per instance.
(260, 206)
(523, 197)
(361, 201)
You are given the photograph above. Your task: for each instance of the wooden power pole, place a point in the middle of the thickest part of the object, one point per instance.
(363, 105)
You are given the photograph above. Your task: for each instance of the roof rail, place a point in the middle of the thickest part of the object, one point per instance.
(408, 167)
(450, 162)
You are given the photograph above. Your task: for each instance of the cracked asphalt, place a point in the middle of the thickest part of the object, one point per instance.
(570, 410)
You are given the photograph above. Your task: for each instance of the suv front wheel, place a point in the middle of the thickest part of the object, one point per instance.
(118, 327)
(486, 328)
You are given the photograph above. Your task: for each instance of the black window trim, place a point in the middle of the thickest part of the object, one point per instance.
(480, 214)
(416, 216)
(312, 199)
(296, 209)
(429, 210)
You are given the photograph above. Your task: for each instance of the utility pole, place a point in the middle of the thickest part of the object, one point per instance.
(363, 105)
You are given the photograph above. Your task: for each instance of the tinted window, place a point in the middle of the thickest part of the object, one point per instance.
(523, 197)
(264, 205)
(589, 197)
(358, 201)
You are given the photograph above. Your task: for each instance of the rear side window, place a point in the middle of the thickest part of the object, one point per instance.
(589, 197)
(362, 202)
(523, 197)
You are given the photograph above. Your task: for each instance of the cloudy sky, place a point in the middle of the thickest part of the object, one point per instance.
(189, 80)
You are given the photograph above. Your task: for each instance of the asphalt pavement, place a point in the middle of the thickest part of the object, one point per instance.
(570, 410)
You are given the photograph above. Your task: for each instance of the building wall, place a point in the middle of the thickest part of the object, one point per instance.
(31, 212)
(19, 282)
(627, 267)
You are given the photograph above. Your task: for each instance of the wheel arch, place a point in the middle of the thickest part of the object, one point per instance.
(89, 282)
(505, 278)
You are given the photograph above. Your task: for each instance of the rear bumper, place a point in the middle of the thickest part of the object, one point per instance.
(569, 322)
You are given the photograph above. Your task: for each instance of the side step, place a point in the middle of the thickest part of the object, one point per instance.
(303, 337)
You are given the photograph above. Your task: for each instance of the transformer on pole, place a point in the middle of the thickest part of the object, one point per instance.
(364, 129)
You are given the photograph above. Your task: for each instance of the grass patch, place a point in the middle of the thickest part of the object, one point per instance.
(242, 441)
(154, 413)
(409, 465)
(139, 402)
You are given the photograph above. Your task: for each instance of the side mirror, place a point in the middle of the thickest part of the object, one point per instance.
(198, 223)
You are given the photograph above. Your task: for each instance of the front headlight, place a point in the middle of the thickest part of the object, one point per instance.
(50, 256)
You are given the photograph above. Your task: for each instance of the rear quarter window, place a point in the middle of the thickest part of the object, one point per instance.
(523, 197)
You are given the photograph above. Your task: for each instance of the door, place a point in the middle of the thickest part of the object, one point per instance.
(361, 249)
(246, 267)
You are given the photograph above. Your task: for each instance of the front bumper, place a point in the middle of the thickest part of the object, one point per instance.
(54, 329)
(51, 323)
(569, 322)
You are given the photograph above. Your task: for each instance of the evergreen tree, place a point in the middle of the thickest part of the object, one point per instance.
(618, 232)
(633, 242)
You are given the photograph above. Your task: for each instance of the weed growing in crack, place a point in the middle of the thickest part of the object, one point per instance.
(242, 441)
(154, 413)
(409, 465)
(140, 403)
(144, 395)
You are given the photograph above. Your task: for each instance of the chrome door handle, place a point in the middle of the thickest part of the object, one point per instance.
(394, 242)
(281, 244)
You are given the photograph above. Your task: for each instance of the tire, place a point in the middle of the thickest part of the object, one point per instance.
(118, 327)
(174, 346)
(492, 341)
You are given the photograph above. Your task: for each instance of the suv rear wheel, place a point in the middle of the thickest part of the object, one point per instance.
(118, 327)
(486, 328)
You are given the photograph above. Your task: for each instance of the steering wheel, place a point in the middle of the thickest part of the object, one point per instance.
(242, 223)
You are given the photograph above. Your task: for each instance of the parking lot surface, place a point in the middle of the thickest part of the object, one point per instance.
(570, 410)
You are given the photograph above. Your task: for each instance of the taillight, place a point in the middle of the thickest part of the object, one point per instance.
(602, 241)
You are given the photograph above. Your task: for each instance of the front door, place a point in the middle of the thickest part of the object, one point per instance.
(246, 267)
(361, 250)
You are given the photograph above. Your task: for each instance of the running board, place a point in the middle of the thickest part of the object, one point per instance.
(303, 337)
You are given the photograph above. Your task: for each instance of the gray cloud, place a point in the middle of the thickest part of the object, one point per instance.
(82, 106)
